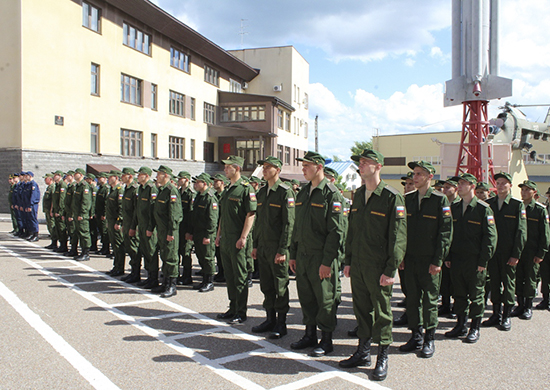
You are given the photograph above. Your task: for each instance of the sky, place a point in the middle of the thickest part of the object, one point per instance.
(378, 67)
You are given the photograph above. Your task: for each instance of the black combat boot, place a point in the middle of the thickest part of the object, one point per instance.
(268, 324)
(414, 343)
(495, 319)
(381, 370)
(135, 275)
(93, 248)
(473, 334)
(544, 304)
(325, 345)
(506, 322)
(84, 256)
(280, 327)
(459, 329)
(33, 237)
(196, 286)
(527, 310)
(105, 251)
(361, 357)
(428, 348)
(309, 339)
(518, 310)
(52, 246)
(153, 281)
(353, 332)
(208, 285)
(62, 247)
(445, 308)
(171, 289)
(402, 320)
(162, 287)
(72, 253)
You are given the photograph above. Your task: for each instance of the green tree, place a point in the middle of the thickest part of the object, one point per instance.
(335, 158)
(359, 146)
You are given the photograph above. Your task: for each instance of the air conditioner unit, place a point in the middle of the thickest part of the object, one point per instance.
(277, 88)
(244, 85)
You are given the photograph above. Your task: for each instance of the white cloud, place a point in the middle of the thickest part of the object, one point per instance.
(409, 62)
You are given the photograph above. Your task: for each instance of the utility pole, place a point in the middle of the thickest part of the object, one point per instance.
(317, 133)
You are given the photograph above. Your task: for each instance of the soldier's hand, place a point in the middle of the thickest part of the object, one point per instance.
(434, 269)
(205, 241)
(280, 259)
(537, 260)
(57, 215)
(402, 265)
(254, 254)
(480, 268)
(448, 264)
(117, 226)
(347, 270)
(70, 219)
(513, 261)
(324, 272)
(217, 243)
(169, 238)
(148, 233)
(131, 233)
(292, 265)
(103, 218)
(386, 280)
(79, 218)
(241, 243)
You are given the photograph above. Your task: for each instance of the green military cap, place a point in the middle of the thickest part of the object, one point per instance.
(271, 160)
(505, 175)
(331, 172)
(45, 176)
(468, 177)
(80, 170)
(529, 183)
(58, 172)
(164, 169)
(483, 185)
(452, 180)
(128, 171)
(221, 177)
(312, 157)
(146, 170)
(422, 164)
(409, 175)
(184, 175)
(295, 181)
(373, 155)
(439, 183)
(71, 173)
(114, 173)
(234, 160)
(103, 174)
(254, 179)
(90, 176)
(205, 177)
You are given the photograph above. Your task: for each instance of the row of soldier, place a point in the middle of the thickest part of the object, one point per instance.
(315, 232)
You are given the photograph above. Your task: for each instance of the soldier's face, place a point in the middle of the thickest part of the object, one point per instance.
(421, 177)
(503, 186)
(464, 188)
(56, 178)
(102, 180)
(77, 176)
(368, 167)
(113, 180)
(482, 194)
(270, 171)
(310, 170)
(527, 193)
(230, 171)
(218, 185)
(449, 190)
(200, 186)
(162, 178)
(143, 178)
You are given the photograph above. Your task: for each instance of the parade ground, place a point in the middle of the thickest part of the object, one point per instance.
(67, 325)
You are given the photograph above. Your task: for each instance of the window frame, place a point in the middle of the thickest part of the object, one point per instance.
(94, 134)
(211, 75)
(138, 90)
(176, 147)
(209, 111)
(95, 78)
(132, 136)
(185, 61)
(127, 28)
(177, 104)
(87, 21)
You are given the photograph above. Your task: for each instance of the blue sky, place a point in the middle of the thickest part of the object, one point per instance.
(378, 64)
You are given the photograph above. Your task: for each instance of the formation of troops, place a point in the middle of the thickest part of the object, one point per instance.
(452, 240)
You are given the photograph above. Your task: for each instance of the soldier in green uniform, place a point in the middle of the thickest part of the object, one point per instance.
(167, 217)
(113, 214)
(81, 211)
(47, 209)
(474, 243)
(253, 270)
(482, 191)
(408, 182)
(187, 195)
(429, 235)
(271, 238)
(100, 204)
(536, 247)
(68, 214)
(511, 223)
(219, 183)
(295, 185)
(314, 251)
(148, 245)
(12, 182)
(131, 241)
(201, 229)
(90, 179)
(375, 246)
(58, 209)
(237, 208)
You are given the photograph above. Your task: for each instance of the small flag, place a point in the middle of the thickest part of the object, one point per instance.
(253, 197)
(446, 211)
(336, 207)
(400, 211)
(491, 220)
(291, 202)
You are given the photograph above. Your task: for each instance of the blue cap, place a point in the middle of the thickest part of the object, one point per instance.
(30, 173)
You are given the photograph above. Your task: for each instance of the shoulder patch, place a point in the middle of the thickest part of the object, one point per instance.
(336, 207)
(392, 190)
(291, 202)
(253, 197)
(483, 203)
(400, 212)
(332, 187)
(540, 205)
(446, 211)
(490, 220)
(283, 185)
(547, 218)
(438, 193)
(214, 206)
(523, 214)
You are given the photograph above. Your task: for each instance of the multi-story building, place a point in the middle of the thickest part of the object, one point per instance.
(99, 83)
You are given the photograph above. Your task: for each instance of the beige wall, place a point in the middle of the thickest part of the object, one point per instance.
(10, 73)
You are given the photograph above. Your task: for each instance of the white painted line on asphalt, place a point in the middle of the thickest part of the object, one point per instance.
(114, 290)
(203, 332)
(241, 356)
(139, 303)
(83, 366)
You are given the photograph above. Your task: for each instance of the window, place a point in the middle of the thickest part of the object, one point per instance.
(192, 109)
(91, 17)
(287, 122)
(131, 143)
(434, 160)
(94, 85)
(176, 148)
(94, 144)
(179, 60)
(130, 90)
(294, 92)
(153, 97)
(305, 129)
(280, 118)
(136, 39)
(154, 145)
(209, 113)
(306, 101)
(287, 155)
(192, 149)
(211, 75)
(243, 114)
(177, 104)
(280, 152)
(235, 86)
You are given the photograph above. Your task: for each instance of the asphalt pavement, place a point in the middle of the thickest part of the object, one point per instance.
(67, 325)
